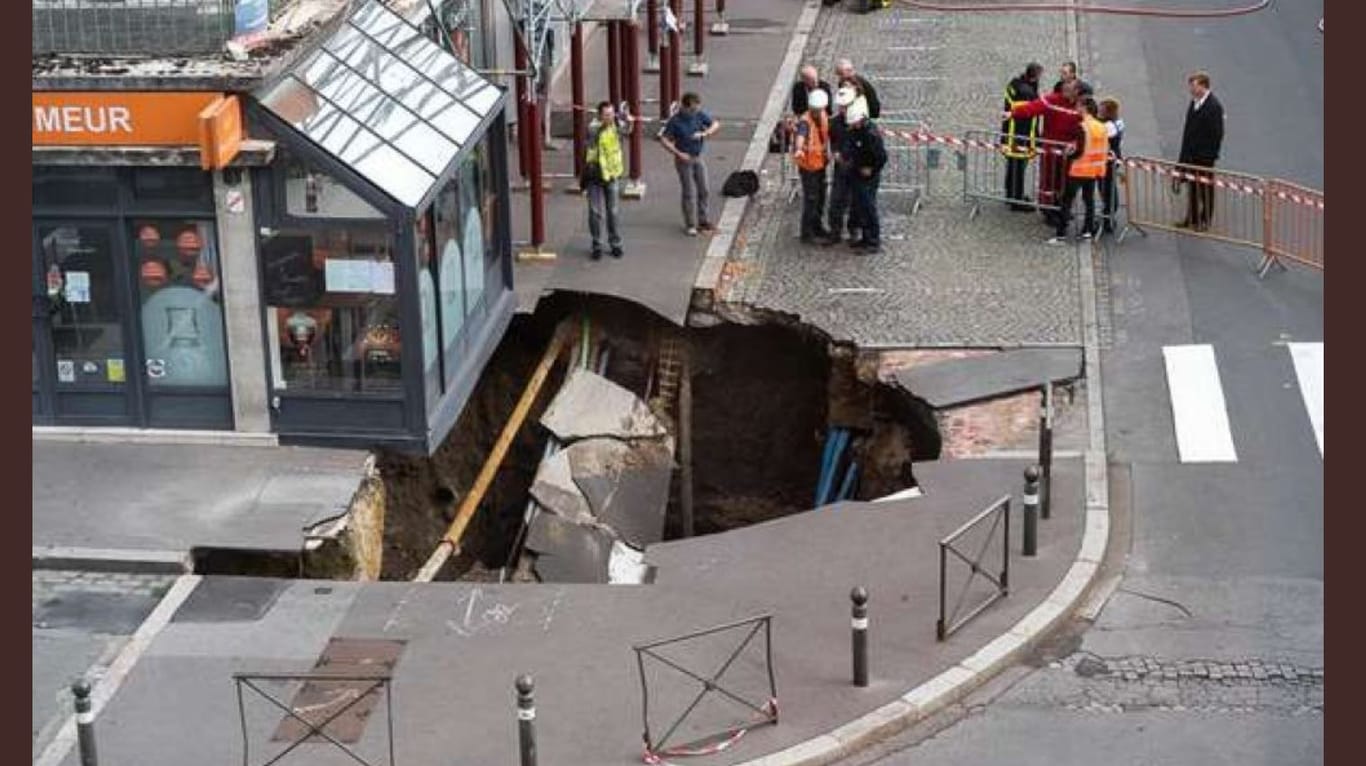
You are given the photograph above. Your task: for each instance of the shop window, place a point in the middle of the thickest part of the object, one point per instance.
(181, 303)
(431, 320)
(174, 187)
(313, 194)
(81, 281)
(331, 309)
(472, 230)
(75, 187)
(446, 227)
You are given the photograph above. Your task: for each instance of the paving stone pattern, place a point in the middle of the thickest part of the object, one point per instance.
(1090, 683)
(942, 280)
(55, 583)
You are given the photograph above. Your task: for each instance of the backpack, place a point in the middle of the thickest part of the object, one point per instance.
(741, 183)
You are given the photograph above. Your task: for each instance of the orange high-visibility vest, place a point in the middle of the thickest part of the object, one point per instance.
(1091, 163)
(812, 157)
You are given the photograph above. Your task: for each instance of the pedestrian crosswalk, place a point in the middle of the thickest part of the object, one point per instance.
(1200, 414)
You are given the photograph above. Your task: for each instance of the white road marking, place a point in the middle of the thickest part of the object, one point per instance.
(1198, 409)
(1308, 359)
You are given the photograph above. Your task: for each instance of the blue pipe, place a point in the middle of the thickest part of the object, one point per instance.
(847, 488)
(825, 466)
(839, 438)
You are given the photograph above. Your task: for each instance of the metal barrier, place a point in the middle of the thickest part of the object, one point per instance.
(1283, 220)
(949, 621)
(985, 164)
(1295, 233)
(908, 162)
(718, 741)
(352, 688)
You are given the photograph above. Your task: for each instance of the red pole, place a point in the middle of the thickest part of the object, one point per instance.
(699, 24)
(614, 62)
(652, 25)
(665, 81)
(523, 126)
(720, 7)
(578, 97)
(633, 93)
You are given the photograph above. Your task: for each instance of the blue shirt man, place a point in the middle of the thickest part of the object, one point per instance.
(684, 135)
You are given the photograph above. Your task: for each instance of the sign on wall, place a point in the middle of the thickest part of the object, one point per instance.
(68, 118)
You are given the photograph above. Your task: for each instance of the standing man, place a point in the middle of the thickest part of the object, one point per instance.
(1067, 74)
(841, 181)
(809, 82)
(1201, 139)
(1061, 119)
(684, 136)
(867, 156)
(844, 70)
(604, 153)
(1089, 151)
(1019, 135)
(811, 155)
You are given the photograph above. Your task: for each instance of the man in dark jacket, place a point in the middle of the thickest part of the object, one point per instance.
(844, 70)
(1201, 139)
(839, 214)
(1061, 119)
(808, 81)
(867, 156)
(1018, 135)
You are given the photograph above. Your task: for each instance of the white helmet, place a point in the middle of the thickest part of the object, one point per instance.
(817, 99)
(845, 96)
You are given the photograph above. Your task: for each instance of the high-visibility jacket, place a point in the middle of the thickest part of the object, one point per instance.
(1019, 135)
(813, 155)
(604, 148)
(1091, 162)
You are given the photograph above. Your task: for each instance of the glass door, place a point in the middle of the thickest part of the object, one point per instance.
(82, 352)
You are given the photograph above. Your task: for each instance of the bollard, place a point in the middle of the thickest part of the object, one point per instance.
(526, 720)
(85, 723)
(859, 596)
(1031, 511)
(1046, 450)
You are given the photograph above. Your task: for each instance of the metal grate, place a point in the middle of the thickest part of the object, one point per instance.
(133, 27)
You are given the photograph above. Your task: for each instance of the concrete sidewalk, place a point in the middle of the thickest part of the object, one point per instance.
(466, 642)
(661, 262)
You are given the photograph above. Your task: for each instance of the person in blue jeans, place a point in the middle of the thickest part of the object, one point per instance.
(866, 155)
(684, 135)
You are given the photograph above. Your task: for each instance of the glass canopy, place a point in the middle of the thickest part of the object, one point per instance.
(386, 101)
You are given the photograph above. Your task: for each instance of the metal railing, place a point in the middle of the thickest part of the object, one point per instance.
(908, 164)
(949, 619)
(133, 27)
(766, 711)
(1283, 220)
(359, 687)
(985, 166)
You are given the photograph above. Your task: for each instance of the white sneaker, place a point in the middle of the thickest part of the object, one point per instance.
(1086, 235)
(691, 231)
(1057, 240)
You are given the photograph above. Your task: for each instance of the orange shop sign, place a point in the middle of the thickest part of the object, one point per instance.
(66, 118)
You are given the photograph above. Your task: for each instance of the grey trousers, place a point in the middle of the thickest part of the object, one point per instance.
(604, 202)
(692, 181)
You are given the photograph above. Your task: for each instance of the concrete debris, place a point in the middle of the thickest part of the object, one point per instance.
(554, 489)
(627, 566)
(568, 552)
(626, 484)
(590, 405)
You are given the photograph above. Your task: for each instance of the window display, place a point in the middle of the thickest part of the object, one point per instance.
(431, 320)
(83, 303)
(332, 310)
(182, 314)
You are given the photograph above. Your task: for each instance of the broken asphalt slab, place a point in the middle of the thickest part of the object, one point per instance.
(956, 382)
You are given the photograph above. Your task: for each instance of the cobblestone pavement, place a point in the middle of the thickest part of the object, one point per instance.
(942, 280)
(1088, 682)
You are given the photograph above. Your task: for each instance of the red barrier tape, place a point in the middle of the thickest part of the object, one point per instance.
(656, 757)
(1113, 10)
(921, 137)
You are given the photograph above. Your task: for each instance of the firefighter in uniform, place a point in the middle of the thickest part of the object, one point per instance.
(1083, 172)
(1020, 134)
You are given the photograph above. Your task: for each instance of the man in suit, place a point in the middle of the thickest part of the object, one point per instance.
(810, 80)
(1201, 139)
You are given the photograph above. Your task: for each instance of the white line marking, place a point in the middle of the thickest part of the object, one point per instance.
(1308, 359)
(1198, 409)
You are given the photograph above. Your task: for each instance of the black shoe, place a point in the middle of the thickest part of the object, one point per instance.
(806, 240)
(617, 253)
(1021, 209)
(596, 254)
(829, 241)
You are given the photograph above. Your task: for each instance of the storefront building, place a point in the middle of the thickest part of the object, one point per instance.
(324, 256)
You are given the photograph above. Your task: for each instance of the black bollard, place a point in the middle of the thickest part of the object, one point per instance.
(526, 720)
(85, 723)
(859, 596)
(1046, 450)
(1031, 511)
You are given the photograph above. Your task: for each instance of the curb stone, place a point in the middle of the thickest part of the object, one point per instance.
(116, 560)
(959, 680)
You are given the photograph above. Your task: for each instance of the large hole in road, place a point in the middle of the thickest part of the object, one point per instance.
(765, 394)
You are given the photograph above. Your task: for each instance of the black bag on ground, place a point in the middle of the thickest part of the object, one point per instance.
(741, 183)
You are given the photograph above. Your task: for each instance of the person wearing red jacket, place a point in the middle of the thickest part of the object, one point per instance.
(1061, 121)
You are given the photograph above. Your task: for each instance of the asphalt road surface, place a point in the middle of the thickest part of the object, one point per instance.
(1225, 570)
